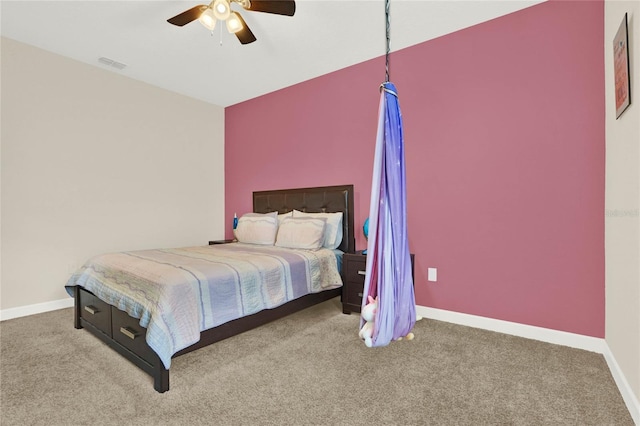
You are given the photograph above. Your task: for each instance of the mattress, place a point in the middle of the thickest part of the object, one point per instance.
(177, 293)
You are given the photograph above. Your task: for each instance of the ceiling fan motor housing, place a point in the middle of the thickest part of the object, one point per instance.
(221, 10)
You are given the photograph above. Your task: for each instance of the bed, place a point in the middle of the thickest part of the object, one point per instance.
(121, 329)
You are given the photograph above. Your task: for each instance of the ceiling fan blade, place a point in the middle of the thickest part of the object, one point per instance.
(245, 35)
(279, 7)
(187, 16)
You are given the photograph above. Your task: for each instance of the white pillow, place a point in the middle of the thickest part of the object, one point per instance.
(257, 228)
(301, 233)
(282, 216)
(333, 229)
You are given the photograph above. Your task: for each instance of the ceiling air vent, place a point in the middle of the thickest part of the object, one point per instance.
(112, 63)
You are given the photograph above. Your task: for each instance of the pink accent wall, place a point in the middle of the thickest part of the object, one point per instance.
(504, 141)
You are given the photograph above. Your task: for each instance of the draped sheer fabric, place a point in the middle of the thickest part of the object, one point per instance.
(388, 273)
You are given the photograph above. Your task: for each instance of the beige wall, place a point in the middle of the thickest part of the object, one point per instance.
(622, 203)
(93, 162)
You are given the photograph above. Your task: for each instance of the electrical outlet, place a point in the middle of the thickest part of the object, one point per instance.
(432, 274)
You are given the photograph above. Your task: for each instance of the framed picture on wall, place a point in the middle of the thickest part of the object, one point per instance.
(621, 68)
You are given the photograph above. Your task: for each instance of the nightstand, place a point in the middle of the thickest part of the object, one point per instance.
(220, 242)
(354, 266)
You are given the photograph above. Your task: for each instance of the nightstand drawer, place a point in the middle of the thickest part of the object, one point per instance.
(95, 311)
(355, 270)
(354, 267)
(353, 294)
(129, 333)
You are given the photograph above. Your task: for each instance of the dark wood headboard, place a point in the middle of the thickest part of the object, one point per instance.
(322, 199)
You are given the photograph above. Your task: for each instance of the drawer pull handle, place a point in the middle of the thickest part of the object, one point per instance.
(91, 309)
(131, 334)
(359, 294)
(362, 272)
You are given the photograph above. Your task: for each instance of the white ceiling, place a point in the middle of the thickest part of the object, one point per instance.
(323, 36)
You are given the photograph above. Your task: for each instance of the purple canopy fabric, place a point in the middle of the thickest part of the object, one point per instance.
(388, 275)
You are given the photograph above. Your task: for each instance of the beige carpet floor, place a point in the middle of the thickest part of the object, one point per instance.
(308, 368)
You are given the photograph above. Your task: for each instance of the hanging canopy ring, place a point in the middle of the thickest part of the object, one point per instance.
(384, 87)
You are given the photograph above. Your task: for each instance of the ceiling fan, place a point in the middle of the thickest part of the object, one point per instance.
(220, 10)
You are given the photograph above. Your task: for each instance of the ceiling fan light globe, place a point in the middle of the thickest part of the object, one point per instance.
(234, 24)
(207, 19)
(221, 9)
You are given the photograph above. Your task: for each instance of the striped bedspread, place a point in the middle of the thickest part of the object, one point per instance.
(177, 293)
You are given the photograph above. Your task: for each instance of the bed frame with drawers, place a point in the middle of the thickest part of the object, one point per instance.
(124, 334)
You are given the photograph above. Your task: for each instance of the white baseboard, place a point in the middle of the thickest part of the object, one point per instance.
(632, 402)
(38, 308)
(588, 343)
(578, 341)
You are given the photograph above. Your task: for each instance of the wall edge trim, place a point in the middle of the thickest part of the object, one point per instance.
(38, 308)
(632, 402)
